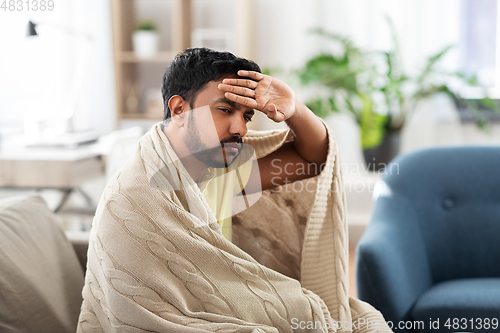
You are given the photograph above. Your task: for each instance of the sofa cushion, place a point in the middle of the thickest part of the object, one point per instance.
(40, 276)
(465, 299)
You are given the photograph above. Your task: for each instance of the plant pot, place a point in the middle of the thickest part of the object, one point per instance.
(377, 158)
(145, 43)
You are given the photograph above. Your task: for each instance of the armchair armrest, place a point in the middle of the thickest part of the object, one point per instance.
(392, 268)
(80, 242)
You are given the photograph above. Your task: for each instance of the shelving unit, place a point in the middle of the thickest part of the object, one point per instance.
(132, 73)
(127, 65)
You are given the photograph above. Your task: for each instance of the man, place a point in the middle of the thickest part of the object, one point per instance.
(160, 256)
(234, 89)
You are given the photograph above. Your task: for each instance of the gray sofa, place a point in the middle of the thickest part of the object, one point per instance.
(41, 270)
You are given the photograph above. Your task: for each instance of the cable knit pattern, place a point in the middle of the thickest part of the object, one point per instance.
(158, 262)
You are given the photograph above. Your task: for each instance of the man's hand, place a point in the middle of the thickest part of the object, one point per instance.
(277, 100)
(261, 92)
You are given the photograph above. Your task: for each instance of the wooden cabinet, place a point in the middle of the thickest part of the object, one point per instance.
(138, 79)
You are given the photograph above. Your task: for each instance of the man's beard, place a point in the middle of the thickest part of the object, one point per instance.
(212, 157)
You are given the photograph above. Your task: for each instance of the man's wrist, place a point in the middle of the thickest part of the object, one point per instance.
(310, 133)
(298, 114)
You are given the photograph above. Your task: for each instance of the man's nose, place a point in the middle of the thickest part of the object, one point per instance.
(238, 127)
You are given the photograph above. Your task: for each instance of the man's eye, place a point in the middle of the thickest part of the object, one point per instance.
(225, 110)
(248, 119)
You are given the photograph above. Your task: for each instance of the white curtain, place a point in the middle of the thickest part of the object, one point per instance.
(37, 72)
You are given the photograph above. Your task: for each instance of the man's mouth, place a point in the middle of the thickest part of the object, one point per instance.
(232, 147)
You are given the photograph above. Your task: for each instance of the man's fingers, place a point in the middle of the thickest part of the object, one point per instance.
(237, 90)
(251, 74)
(241, 82)
(246, 101)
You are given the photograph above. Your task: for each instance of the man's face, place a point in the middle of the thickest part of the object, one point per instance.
(230, 120)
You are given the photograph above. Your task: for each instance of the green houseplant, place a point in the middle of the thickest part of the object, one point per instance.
(429, 80)
(145, 39)
(348, 81)
(381, 98)
(146, 26)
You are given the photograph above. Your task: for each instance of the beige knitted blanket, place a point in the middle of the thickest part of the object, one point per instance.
(158, 262)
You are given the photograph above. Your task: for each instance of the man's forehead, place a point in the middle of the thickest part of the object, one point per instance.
(212, 92)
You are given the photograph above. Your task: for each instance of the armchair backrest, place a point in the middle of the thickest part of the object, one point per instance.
(455, 195)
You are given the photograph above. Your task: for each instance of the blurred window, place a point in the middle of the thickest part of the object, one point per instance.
(478, 39)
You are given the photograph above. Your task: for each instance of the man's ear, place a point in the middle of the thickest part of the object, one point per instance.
(178, 107)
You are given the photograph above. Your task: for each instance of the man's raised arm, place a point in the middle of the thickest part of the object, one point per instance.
(277, 100)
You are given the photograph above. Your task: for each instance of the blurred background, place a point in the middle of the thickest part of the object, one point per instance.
(81, 83)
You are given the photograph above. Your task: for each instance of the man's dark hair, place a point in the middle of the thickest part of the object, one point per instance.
(193, 68)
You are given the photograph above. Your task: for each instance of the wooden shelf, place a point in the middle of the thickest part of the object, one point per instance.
(128, 69)
(161, 57)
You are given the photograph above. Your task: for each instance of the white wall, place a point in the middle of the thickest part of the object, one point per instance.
(424, 26)
(98, 107)
(36, 76)
(37, 72)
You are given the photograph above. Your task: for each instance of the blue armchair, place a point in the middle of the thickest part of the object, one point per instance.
(430, 258)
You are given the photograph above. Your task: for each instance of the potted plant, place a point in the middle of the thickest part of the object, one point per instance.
(403, 93)
(345, 82)
(380, 98)
(145, 39)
